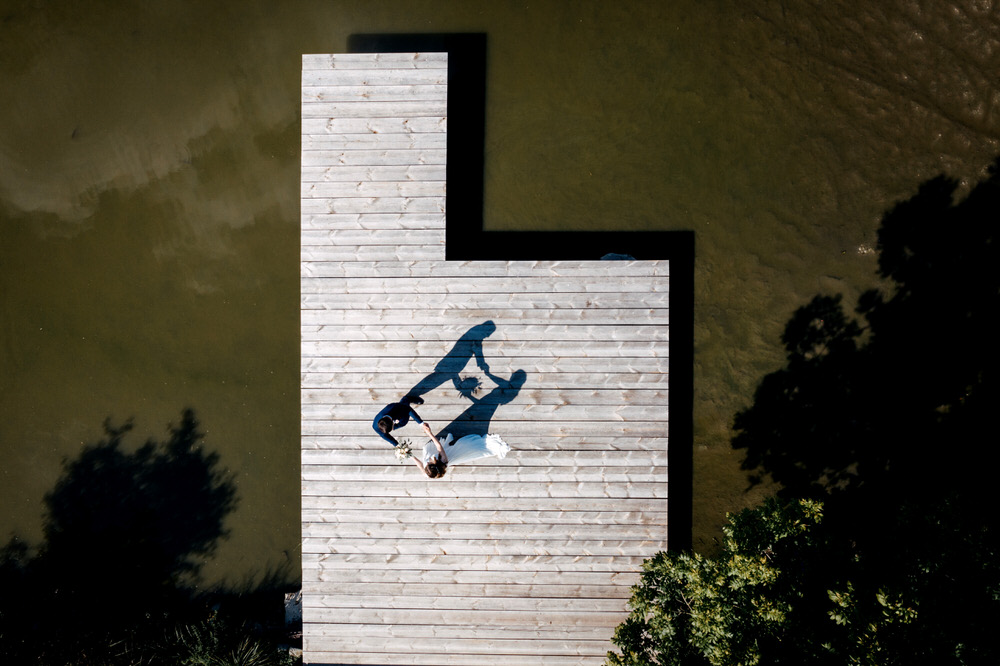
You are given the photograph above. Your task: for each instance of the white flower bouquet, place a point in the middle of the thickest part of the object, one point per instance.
(403, 450)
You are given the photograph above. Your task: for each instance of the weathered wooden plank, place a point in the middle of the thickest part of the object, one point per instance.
(444, 632)
(525, 412)
(364, 189)
(479, 547)
(470, 316)
(342, 89)
(401, 223)
(369, 141)
(469, 540)
(470, 603)
(508, 429)
(374, 109)
(413, 77)
(511, 566)
(438, 411)
(447, 659)
(328, 61)
(519, 434)
(480, 301)
(491, 350)
(351, 531)
(349, 379)
(428, 173)
(368, 237)
(477, 646)
(527, 441)
(458, 515)
(456, 487)
(476, 285)
(449, 333)
(630, 293)
(388, 204)
(533, 449)
(491, 471)
(507, 423)
(377, 240)
(368, 253)
(651, 528)
(379, 253)
(335, 549)
(513, 573)
(319, 268)
(454, 596)
(417, 616)
(529, 364)
(347, 525)
(525, 457)
(488, 652)
(484, 648)
(448, 395)
(530, 466)
(404, 125)
(554, 269)
(488, 470)
(373, 158)
(429, 505)
(472, 577)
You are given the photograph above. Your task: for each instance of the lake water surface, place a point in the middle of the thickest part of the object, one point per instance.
(149, 189)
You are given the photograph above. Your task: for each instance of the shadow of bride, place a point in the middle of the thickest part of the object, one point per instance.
(475, 420)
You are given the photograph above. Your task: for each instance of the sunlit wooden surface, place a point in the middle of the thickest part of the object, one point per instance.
(525, 560)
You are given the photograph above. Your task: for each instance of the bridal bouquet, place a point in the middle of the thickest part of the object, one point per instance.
(403, 450)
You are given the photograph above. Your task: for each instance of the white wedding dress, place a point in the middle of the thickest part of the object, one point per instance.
(468, 448)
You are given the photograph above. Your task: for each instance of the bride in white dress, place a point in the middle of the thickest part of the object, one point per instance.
(465, 449)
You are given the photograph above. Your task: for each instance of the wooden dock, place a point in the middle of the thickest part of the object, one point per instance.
(525, 560)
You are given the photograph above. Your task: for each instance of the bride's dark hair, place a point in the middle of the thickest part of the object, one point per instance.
(435, 469)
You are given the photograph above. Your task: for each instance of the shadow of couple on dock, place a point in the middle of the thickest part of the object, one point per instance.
(476, 418)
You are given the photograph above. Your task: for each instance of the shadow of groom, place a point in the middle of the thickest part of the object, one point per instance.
(454, 362)
(475, 420)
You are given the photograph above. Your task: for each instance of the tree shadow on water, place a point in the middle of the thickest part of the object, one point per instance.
(896, 405)
(126, 533)
(890, 418)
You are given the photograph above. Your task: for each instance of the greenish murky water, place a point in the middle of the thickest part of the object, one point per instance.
(149, 196)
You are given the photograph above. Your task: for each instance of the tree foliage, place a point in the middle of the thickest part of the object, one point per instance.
(782, 590)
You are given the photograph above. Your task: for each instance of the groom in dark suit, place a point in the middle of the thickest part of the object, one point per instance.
(397, 415)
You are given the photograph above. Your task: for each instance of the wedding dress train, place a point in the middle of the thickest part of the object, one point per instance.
(468, 448)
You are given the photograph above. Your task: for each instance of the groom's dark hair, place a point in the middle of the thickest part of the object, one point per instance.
(385, 424)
